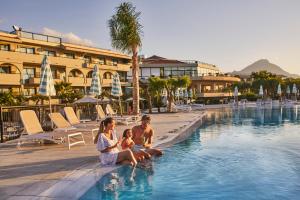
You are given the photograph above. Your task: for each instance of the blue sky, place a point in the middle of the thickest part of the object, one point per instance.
(230, 33)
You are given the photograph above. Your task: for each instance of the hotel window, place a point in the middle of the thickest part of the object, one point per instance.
(146, 72)
(4, 47)
(123, 76)
(87, 58)
(129, 73)
(155, 71)
(107, 75)
(70, 55)
(102, 61)
(49, 53)
(29, 91)
(114, 62)
(27, 50)
(5, 70)
(167, 72)
(28, 73)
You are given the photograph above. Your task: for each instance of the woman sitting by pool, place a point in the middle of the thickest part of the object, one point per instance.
(107, 144)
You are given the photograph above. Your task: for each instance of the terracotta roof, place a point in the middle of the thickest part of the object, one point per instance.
(160, 60)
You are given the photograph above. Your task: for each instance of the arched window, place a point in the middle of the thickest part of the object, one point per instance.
(76, 73)
(7, 68)
(90, 74)
(107, 75)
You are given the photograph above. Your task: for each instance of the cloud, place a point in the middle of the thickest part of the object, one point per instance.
(1, 21)
(68, 37)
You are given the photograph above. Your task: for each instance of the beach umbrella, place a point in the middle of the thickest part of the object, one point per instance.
(176, 93)
(95, 85)
(261, 91)
(294, 90)
(95, 88)
(47, 84)
(181, 92)
(186, 94)
(190, 93)
(279, 89)
(288, 90)
(116, 89)
(236, 91)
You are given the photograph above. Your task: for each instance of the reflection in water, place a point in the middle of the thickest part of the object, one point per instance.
(237, 139)
(123, 179)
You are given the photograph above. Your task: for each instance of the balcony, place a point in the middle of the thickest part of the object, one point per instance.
(216, 78)
(76, 81)
(10, 79)
(36, 80)
(14, 56)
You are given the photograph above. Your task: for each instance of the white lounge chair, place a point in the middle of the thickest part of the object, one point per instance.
(181, 108)
(197, 106)
(125, 119)
(33, 131)
(74, 121)
(62, 124)
(100, 113)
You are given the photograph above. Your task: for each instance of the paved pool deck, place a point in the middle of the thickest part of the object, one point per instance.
(40, 171)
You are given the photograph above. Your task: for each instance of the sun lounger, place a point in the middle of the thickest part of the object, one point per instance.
(73, 119)
(124, 119)
(197, 106)
(181, 108)
(34, 131)
(100, 112)
(62, 124)
(110, 111)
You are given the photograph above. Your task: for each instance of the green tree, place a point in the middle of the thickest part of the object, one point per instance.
(66, 93)
(156, 85)
(7, 99)
(38, 98)
(171, 85)
(125, 33)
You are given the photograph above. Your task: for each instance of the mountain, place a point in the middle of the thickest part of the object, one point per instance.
(264, 65)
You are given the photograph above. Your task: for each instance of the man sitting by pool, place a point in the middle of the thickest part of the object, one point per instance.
(142, 136)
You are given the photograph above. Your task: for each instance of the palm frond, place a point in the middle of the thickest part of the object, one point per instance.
(125, 28)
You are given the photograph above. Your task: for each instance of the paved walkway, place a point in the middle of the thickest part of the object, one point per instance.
(28, 172)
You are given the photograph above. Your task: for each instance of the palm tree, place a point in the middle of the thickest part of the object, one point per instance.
(156, 85)
(125, 33)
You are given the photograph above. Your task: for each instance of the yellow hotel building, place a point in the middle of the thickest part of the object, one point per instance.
(21, 54)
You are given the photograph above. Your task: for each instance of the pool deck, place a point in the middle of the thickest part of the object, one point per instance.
(51, 171)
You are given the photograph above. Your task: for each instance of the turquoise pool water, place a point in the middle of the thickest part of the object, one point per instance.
(237, 154)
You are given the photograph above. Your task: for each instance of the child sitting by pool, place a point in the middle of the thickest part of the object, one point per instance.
(128, 143)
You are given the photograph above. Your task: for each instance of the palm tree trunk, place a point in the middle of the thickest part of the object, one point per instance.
(135, 81)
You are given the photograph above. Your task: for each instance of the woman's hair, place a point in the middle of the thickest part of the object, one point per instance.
(103, 124)
(125, 132)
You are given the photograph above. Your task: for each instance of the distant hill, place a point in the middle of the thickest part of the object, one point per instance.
(261, 65)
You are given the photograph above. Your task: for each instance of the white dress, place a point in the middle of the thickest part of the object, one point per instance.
(108, 158)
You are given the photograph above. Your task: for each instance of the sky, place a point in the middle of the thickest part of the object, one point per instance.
(230, 34)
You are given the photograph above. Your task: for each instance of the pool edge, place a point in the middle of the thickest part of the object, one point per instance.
(77, 182)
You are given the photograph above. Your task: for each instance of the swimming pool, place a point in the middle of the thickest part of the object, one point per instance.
(237, 154)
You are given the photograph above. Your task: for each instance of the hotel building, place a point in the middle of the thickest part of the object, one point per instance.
(207, 80)
(22, 52)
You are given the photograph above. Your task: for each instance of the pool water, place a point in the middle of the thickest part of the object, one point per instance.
(237, 154)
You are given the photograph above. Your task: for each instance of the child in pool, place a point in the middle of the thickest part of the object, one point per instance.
(128, 143)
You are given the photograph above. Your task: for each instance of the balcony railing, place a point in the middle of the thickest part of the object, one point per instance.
(84, 63)
(10, 79)
(40, 37)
